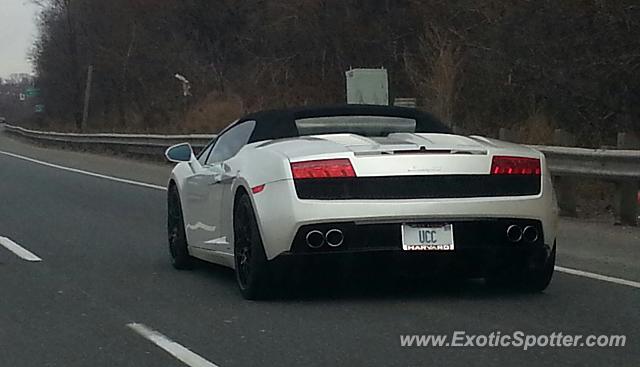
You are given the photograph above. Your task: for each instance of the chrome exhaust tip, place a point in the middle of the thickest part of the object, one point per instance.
(315, 239)
(530, 234)
(334, 237)
(514, 233)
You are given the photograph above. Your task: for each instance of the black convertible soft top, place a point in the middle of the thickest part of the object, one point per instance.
(278, 124)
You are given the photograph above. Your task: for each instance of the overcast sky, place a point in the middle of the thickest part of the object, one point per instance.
(17, 32)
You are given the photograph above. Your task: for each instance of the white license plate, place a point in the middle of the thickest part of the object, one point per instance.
(426, 237)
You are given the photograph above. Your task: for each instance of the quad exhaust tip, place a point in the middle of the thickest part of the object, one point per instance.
(530, 234)
(315, 239)
(514, 233)
(334, 237)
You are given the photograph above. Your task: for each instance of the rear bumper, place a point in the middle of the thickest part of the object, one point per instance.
(486, 234)
(282, 215)
(481, 248)
(459, 263)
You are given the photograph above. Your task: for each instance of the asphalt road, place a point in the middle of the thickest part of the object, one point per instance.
(105, 265)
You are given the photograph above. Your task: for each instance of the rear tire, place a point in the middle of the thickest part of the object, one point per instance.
(178, 247)
(253, 271)
(537, 280)
(527, 280)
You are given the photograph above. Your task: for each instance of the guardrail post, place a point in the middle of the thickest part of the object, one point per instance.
(565, 186)
(626, 204)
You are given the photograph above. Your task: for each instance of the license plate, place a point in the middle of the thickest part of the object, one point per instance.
(427, 237)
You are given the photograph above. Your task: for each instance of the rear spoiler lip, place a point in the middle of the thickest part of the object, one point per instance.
(423, 150)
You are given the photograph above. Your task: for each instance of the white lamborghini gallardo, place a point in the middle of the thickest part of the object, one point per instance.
(283, 185)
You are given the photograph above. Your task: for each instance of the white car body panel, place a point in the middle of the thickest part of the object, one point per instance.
(208, 192)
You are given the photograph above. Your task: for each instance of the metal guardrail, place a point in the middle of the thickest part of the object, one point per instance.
(596, 163)
(568, 164)
(565, 163)
(140, 144)
(619, 164)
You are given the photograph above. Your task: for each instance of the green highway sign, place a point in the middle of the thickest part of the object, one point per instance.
(32, 92)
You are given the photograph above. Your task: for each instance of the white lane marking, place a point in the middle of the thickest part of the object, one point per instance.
(20, 251)
(93, 174)
(218, 241)
(176, 350)
(605, 278)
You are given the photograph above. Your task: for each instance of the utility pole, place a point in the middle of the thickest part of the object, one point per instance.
(87, 98)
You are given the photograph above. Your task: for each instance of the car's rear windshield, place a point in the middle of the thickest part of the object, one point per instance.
(361, 125)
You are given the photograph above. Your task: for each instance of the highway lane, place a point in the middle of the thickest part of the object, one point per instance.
(47, 318)
(103, 246)
(150, 172)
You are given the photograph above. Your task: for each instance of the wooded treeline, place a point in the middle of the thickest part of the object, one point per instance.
(480, 64)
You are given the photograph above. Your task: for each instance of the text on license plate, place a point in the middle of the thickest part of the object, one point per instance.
(425, 237)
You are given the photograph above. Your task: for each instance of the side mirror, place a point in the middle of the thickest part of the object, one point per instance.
(179, 153)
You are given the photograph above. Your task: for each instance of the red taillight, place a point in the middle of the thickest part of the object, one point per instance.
(326, 168)
(504, 165)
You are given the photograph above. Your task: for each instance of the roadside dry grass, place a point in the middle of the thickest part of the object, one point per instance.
(208, 116)
(213, 113)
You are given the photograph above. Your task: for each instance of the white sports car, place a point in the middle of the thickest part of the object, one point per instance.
(283, 185)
